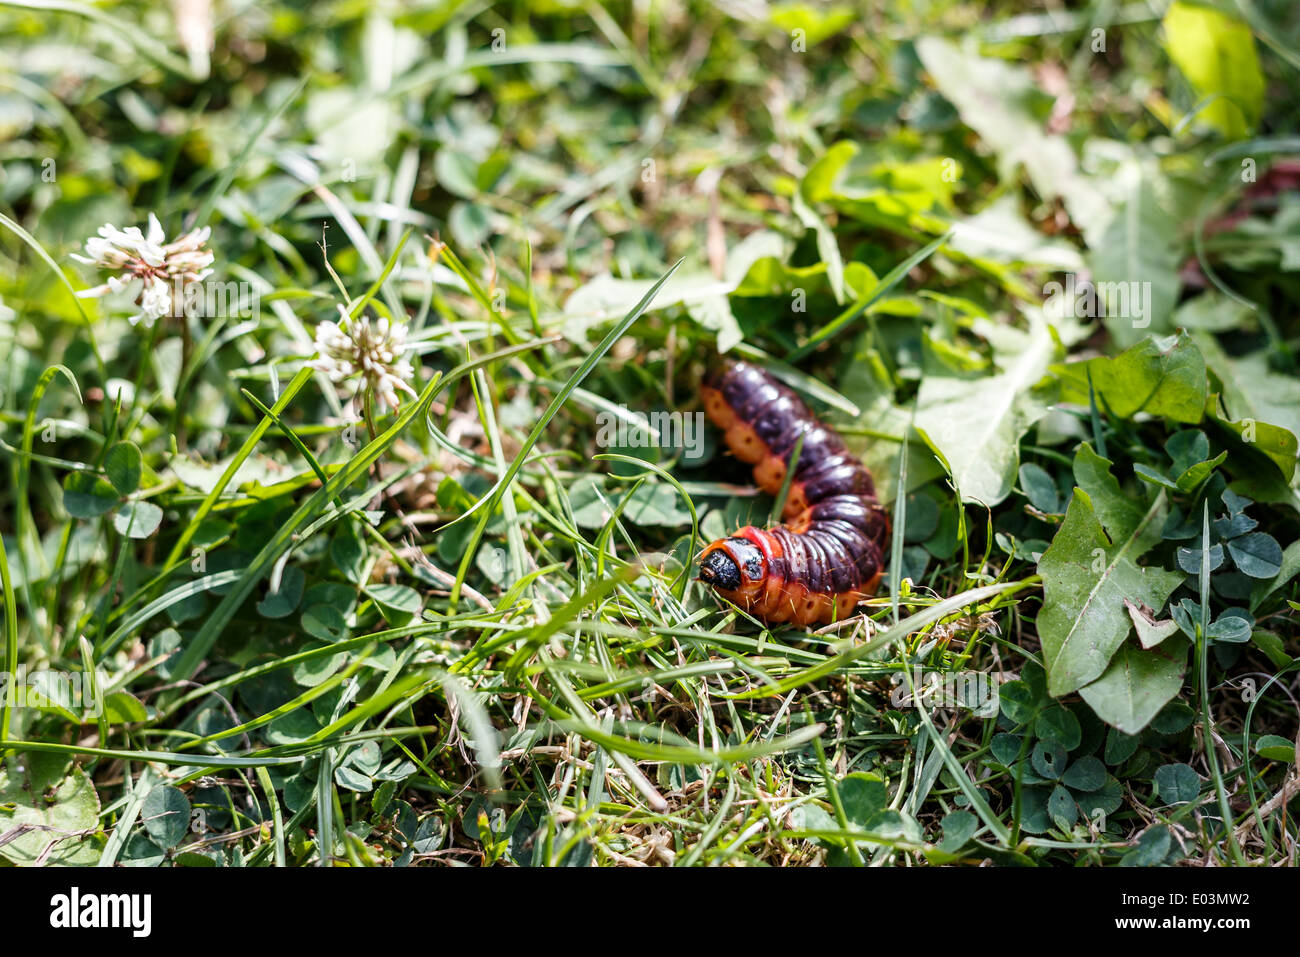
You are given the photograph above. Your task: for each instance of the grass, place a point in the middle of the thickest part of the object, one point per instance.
(464, 631)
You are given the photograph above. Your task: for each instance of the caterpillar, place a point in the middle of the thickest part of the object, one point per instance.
(830, 552)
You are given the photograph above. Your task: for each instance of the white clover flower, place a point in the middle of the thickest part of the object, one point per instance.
(373, 351)
(163, 269)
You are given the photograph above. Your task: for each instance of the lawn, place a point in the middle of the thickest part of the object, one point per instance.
(354, 470)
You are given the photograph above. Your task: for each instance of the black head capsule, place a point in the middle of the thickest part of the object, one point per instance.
(718, 570)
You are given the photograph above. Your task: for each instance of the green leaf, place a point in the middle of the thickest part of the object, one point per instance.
(1153, 848)
(281, 602)
(124, 466)
(1163, 377)
(348, 552)
(1187, 447)
(1136, 263)
(999, 100)
(1230, 628)
(1259, 401)
(86, 495)
(1039, 487)
(1062, 808)
(1149, 474)
(1120, 746)
(1057, 724)
(1216, 52)
(1088, 573)
(1006, 747)
(976, 423)
(1190, 559)
(60, 809)
(1191, 479)
(1033, 813)
(122, 707)
(862, 795)
(1257, 554)
(137, 519)
(1175, 717)
(1104, 800)
(1137, 684)
(958, 828)
(1085, 774)
(1274, 747)
(325, 622)
(817, 21)
(1048, 759)
(1177, 783)
(1114, 508)
(166, 815)
(399, 604)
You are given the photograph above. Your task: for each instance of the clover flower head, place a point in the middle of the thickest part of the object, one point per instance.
(371, 350)
(162, 269)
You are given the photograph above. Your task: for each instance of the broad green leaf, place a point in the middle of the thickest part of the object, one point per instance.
(1088, 572)
(958, 827)
(1000, 233)
(62, 812)
(1257, 554)
(702, 294)
(1229, 628)
(86, 495)
(1085, 774)
(1039, 487)
(814, 22)
(1060, 805)
(1114, 508)
(122, 707)
(1153, 848)
(998, 100)
(348, 552)
(124, 465)
(281, 602)
(977, 423)
(325, 622)
(166, 815)
(862, 795)
(1177, 783)
(1190, 559)
(1255, 395)
(399, 604)
(137, 519)
(1135, 265)
(1056, 724)
(1163, 377)
(1290, 567)
(1273, 747)
(1049, 759)
(1276, 446)
(1216, 52)
(1137, 684)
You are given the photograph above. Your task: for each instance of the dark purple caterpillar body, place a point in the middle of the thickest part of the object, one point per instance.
(830, 552)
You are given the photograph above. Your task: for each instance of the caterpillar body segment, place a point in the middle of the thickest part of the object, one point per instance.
(829, 554)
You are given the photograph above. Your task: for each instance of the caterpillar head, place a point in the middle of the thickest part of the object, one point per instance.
(720, 570)
(732, 566)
